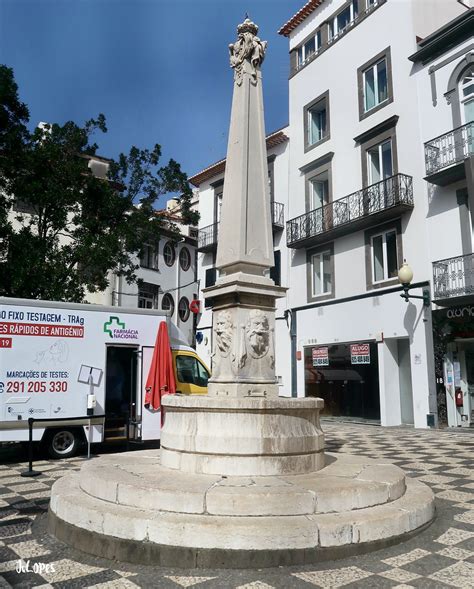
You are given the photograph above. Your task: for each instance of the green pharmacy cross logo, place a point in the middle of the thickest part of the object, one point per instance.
(111, 324)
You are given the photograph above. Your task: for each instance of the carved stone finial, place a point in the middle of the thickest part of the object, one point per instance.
(247, 27)
(248, 48)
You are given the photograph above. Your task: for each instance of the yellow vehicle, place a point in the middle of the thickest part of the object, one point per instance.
(190, 372)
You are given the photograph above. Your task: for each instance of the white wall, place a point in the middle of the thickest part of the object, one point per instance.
(429, 15)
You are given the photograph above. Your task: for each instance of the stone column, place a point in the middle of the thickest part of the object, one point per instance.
(243, 297)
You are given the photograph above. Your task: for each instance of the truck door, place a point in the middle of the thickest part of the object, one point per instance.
(120, 391)
(191, 374)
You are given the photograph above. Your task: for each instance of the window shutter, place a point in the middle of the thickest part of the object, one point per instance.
(210, 277)
(275, 271)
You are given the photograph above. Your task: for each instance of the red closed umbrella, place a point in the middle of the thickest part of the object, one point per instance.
(161, 380)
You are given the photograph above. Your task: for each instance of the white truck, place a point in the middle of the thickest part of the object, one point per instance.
(63, 360)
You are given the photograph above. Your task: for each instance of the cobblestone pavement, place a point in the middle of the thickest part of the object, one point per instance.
(440, 557)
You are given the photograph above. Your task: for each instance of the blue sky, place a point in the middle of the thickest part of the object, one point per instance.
(158, 69)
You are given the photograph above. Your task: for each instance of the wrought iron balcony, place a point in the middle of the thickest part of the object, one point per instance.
(453, 278)
(384, 200)
(278, 218)
(207, 238)
(445, 155)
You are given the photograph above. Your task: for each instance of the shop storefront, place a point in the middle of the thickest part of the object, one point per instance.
(454, 360)
(346, 376)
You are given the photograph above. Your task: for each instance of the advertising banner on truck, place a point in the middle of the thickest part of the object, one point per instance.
(38, 366)
(43, 349)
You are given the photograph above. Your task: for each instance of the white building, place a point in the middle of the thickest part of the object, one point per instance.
(167, 276)
(443, 67)
(356, 206)
(167, 273)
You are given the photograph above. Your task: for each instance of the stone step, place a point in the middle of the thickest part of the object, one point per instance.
(71, 505)
(140, 481)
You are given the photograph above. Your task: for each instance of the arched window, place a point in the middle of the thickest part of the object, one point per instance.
(183, 309)
(169, 253)
(466, 95)
(167, 303)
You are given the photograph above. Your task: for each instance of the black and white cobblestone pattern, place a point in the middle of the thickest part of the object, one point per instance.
(440, 557)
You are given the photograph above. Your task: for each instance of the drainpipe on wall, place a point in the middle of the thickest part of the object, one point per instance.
(178, 278)
(294, 377)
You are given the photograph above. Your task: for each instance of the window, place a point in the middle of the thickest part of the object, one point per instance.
(384, 256)
(321, 273)
(148, 296)
(319, 191)
(183, 309)
(342, 21)
(184, 259)
(271, 176)
(218, 194)
(167, 303)
(149, 257)
(169, 253)
(316, 121)
(190, 370)
(379, 162)
(275, 271)
(375, 84)
(211, 276)
(467, 96)
(308, 49)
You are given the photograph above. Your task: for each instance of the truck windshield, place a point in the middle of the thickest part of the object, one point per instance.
(190, 370)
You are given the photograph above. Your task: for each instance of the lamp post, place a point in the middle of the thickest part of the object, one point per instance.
(405, 276)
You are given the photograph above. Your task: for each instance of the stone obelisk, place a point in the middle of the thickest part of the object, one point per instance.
(243, 297)
(241, 478)
(242, 427)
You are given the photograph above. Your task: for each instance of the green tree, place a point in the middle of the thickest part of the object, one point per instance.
(62, 228)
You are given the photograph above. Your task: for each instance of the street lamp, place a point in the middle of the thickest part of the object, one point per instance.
(405, 276)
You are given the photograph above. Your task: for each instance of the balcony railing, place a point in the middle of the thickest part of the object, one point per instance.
(453, 277)
(278, 218)
(449, 149)
(207, 238)
(353, 212)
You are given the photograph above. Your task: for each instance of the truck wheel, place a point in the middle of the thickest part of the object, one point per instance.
(63, 443)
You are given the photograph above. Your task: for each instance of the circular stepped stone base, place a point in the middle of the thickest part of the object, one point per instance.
(130, 507)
